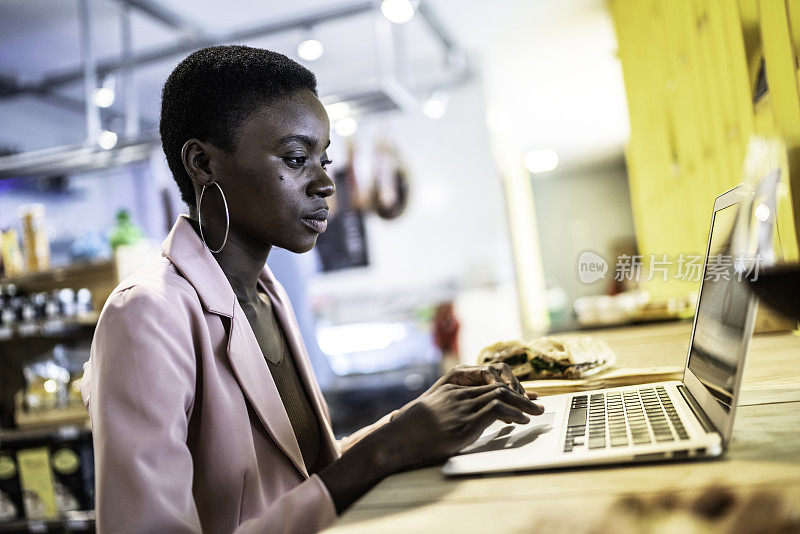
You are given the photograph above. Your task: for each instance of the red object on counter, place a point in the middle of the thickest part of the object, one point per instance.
(445, 328)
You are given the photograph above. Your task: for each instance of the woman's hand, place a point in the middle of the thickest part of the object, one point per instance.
(451, 417)
(437, 425)
(477, 375)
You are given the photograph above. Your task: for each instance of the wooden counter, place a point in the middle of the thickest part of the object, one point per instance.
(764, 453)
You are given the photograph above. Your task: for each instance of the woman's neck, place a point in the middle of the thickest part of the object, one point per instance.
(241, 262)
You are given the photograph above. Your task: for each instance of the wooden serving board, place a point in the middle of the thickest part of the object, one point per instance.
(608, 379)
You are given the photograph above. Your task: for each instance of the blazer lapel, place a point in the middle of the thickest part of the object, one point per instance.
(285, 313)
(257, 383)
(190, 256)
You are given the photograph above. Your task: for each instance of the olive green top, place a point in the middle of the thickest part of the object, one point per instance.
(284, 372)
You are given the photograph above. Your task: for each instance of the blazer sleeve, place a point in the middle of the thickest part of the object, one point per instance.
(142, 383)
(142, 388)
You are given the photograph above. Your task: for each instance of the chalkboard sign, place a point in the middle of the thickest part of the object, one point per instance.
(344, 243)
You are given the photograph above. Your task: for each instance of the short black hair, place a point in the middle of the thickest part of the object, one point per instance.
(212, 92)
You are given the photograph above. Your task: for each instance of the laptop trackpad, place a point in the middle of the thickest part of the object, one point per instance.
(502, 436)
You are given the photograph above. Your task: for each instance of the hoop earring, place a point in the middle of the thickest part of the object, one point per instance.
(200, 218)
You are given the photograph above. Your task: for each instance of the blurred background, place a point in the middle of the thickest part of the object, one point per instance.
(495, 162)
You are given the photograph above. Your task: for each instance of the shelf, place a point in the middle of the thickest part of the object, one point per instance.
(51, 328)
(100, 277)
(60, 275)
(68, 522)
(60, 430)
(55, 418)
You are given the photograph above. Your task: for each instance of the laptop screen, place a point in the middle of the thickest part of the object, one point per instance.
(722, 311)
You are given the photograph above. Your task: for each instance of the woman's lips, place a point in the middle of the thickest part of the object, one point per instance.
(317, 221)
(318, 225)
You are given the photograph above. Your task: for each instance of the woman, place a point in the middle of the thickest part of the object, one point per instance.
(205, 411)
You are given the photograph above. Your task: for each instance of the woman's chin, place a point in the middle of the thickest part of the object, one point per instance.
(299, 247)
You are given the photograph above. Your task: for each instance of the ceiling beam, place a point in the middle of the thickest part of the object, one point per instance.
(69, 103)
(163, 14)
(436, 26)
(159, 54)
(78, 106)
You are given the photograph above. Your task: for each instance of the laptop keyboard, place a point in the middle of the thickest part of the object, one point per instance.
(621, 418)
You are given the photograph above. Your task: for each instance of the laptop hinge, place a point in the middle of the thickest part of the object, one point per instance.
(708, 426)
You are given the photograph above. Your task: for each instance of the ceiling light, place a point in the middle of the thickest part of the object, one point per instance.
(762, 212)
(434, 109)
(398, 11)
(436, 105)
(346, 126)
(541, 160)
(337, 110)
(310, 49)
(104, 95)
(107, 140)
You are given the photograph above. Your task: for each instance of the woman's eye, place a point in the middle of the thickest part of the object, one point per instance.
(325, 163)
(296, 162)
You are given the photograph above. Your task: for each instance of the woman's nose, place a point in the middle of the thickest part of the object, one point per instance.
(321, 186)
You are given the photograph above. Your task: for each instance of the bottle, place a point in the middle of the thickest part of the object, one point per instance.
(11, 254)
(125, 232)
(39, 300)
(66, 299)
(83, 301)
(27, 318)
(52, 307)
(8, 316)
(36, 245)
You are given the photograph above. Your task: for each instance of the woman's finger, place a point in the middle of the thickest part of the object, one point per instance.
(507, 396)
(486, 375)
(491, 375)
(477, 391)
(507, 376)
(469, 392)
(494, 411)
(475, 375)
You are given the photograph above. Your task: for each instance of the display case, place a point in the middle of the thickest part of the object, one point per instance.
(46, 463)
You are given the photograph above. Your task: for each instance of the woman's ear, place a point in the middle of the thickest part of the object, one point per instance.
(195, 157)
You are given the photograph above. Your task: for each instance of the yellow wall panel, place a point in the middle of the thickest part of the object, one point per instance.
(690, 68)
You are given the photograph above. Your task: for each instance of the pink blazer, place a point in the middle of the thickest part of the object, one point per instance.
(190, 434)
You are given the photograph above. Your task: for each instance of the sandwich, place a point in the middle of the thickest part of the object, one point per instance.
(564, 357)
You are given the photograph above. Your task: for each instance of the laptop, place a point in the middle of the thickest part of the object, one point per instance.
(687, 419)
